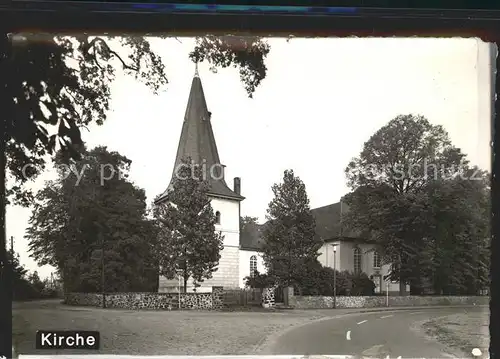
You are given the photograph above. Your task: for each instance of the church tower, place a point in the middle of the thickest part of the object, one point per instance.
(197, 141)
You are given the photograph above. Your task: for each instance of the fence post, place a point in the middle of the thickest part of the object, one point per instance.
(288, 295)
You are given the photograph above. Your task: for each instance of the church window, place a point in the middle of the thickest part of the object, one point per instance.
(253, 265)
(217, 217)
(357, 260)
(376, 259)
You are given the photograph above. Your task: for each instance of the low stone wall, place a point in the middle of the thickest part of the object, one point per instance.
(169, 301)
(310, 302)
(268, 297)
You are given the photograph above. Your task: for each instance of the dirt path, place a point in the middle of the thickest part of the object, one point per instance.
(154, 332)
(464, 331)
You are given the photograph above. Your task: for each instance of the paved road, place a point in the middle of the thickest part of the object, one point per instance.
(375, 334)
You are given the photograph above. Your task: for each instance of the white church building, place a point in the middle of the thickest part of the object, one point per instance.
(197, 141)
(241, 254)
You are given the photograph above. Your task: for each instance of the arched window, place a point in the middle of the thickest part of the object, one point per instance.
(357, 260)
(217, 217)
(376, 259)
(253, 265)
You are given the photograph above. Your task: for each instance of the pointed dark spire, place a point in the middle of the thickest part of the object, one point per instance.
(197, 141)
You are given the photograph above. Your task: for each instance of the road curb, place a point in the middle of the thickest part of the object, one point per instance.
(386, 309)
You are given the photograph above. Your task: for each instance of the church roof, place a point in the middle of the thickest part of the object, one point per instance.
(328, 228)
(197, 141)
(329, 222)
(251, 237)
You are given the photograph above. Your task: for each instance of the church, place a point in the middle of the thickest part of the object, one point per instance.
(241, 254)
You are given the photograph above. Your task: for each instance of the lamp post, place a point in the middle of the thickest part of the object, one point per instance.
(387, 293)
(179, 274)
(334, 276)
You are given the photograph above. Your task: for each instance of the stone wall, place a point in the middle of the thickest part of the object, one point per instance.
(167, 301)
(319, 302)
(268, 297)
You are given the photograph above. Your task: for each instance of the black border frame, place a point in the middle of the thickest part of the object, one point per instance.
(375, 23)
(387, 4)
(386, 24)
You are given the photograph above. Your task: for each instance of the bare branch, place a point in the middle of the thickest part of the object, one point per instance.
(113, 53)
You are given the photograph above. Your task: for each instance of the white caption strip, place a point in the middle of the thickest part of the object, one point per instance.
(104, 356)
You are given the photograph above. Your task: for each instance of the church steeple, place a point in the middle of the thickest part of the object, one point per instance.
(197, 141)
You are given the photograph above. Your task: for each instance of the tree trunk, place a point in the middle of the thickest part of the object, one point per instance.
(185, 277)
(402, 287)
(5, 265)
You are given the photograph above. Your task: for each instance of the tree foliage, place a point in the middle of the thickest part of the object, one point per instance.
(404, 155)
(244, 52)
(60, 85)
(20, 285)
(25, 285)
(36, 282)
(90, 209)
(245, 221)
(457, 250)
(259, 280)
(290, 240)
(188, 242)
(416, 195)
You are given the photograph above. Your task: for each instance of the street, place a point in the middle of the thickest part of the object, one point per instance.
(334, 332)
(375, 334)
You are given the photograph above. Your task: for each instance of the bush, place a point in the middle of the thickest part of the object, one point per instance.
(23, 290)
(258, 280)
(49, 293)
(31, 288)
(317, 280)
(362, 285)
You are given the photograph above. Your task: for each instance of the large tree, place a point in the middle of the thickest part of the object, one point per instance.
(90, 209)
(394, 182)
(54, 86)
(290, 241)
(188, 242)
(58, 85)
(457, 244)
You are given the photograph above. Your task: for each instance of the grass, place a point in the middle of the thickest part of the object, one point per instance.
(464, 331)
(152, 332)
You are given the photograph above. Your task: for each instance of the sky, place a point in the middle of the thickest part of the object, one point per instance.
(320, 101)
